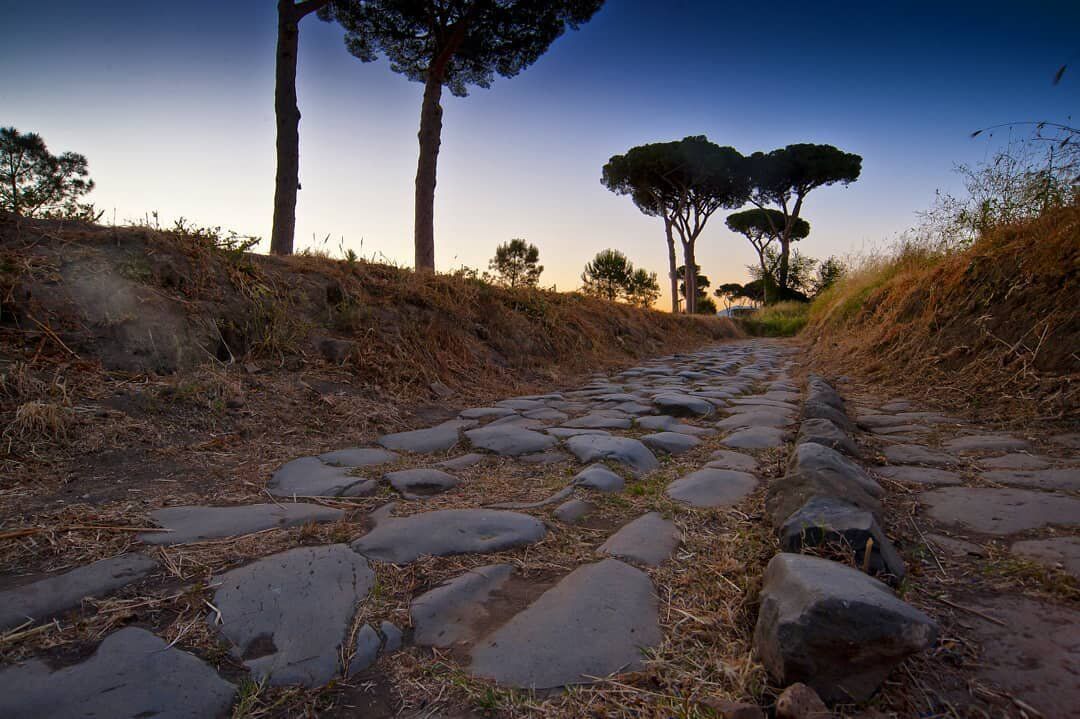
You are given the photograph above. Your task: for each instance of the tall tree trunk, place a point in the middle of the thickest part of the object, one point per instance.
(288, 131)
(785, 251)
(690, 279)
(672, 274)
(430, 137)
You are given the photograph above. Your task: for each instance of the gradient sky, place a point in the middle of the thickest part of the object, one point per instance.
(172, 103)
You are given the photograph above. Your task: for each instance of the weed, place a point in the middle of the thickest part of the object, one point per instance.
(783, 319)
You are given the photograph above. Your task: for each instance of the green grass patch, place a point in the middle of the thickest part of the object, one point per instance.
(783, 319)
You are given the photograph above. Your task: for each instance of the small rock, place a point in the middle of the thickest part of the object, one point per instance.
(671, 442)
(712, 487)
(573, 511)
(391, 636)
(799, 701)
(825, 432)
(650, 539)
(413, 483)
(631, 452)
(452, 612)
(727, 709)
(600, 478)
(756, 438)
(366, 650)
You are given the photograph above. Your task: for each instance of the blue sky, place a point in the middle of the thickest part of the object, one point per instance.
(172, 103)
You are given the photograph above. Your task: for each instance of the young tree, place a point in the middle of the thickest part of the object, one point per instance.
(762, 228)
(701, 284)
(642, 289)
(786, 176)
(828, 274)
(800, 277)
(685, 182)
(287, 180)
(455, 43)
(608, 275)
(517, 264)
(36, 183)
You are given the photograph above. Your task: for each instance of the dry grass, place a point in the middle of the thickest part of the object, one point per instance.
(994, 328)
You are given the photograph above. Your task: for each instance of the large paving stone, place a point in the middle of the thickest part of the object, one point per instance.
(1064, 478)
(564, 432)
(834, 628)
(594, 622)
(454, 611)
(918, 475)
(789, 493)
(1015, 461)
(650, 539)
(1034, 654)
(918, 454)
(1056, 552)
(132, 675)
(763, 417)
(600, 420)
(312, 477)
(464, 461)
(439, 438)
(486, 412)
(600, 478)
(358, 457)
(287, 615)
(630, 452)
(667, 423)
(420, 482)
(726, 459)
(821, 410)
(813, 458)
(986, 443)
(756, 438)
(834, 522)
(825, 432)
(509, 440)
(196, 524)
(448, 531)
(670, 442)
(712, 487)
(683, 405)
(1001, 511)
(54, 595)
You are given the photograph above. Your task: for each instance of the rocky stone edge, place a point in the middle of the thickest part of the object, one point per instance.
(826, 623)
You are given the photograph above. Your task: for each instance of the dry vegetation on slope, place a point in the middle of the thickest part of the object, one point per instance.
(134, 361)
(994, 328)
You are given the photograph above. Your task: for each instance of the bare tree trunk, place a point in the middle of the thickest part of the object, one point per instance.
(288, 131)
(672, 274)
(690, 279)
(785, 251)
(430, 138)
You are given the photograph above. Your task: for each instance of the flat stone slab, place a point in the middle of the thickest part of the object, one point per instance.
(712, 487)
(918, 454)
(359, 457)
(600, 478)
(1056, 552)
(834, 628)
(288, 614)
(986, 443)
(954, 547)
(596, 621)
(600, 420)
(630, 452)
(670, 442)
(1064, 478)
(650, 539)
(508, 440)
(463, 462)
(917, 475)
(197, 524)
(401, 540)
(312, 477)
(1001, 511)
(756, 438)
(58, 593)
(131, 674)
(439, 438)
(454, 611)
(1035, 654)
(1015, 461)
(762, 417)
(726, 459)
(667, 423)
(486, 412)
(683, 405)
(560, 495)
(421, 482)
(564, 432)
